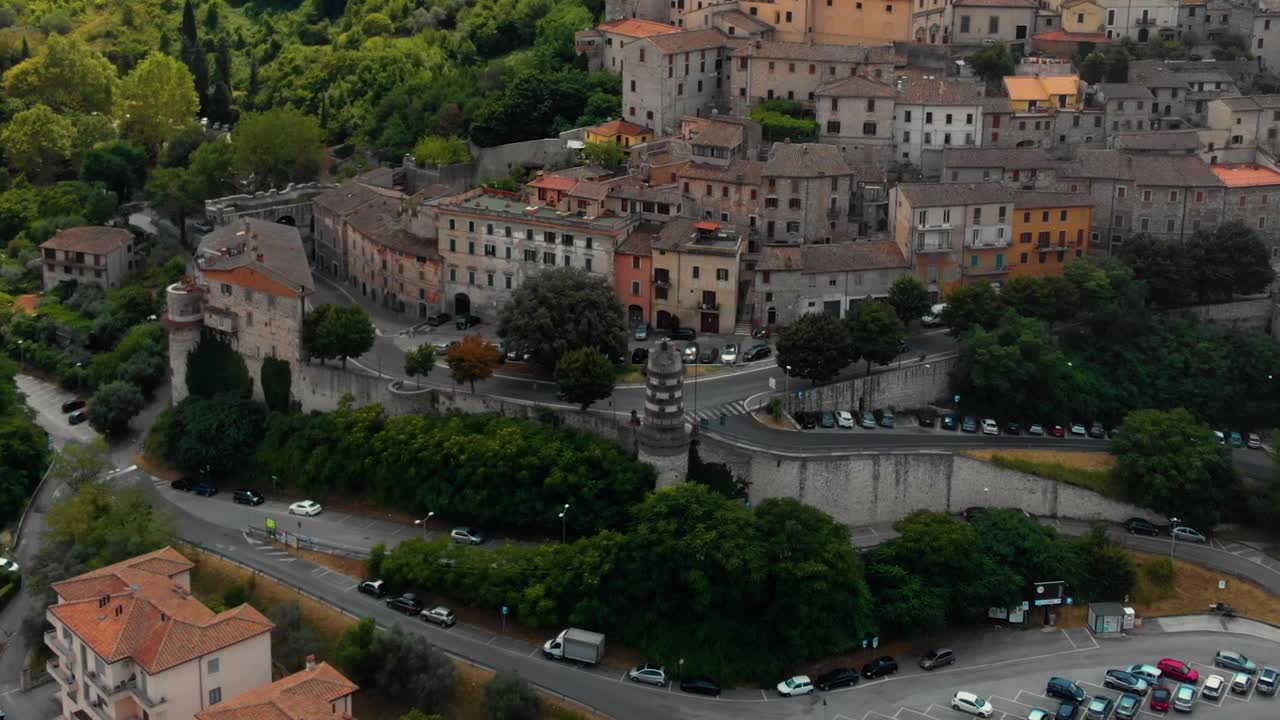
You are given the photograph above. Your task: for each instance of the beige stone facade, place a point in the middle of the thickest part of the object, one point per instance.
(695, 275)
(806, 190)
(665, 77)
(764, 70)
(88, 254)
(856, 114)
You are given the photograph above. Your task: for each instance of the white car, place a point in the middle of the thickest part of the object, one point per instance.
(1187, 534)
(649, 673)
(8, 565)
(729, 355)
(969, 703)
(844, 419)
(440, 615)
(1213, 686)
(1241, 683)
(469, 536)
(990, 427)
(934, 316)
(798, 685)
(305, 507)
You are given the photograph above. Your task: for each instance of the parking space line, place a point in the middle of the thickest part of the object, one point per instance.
(1015, 702)
(1020, 693)
(916, 713)
(1068, 637)
(868, 715)
(931, 707)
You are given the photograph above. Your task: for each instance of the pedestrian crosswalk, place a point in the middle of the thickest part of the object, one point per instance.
(712, 414)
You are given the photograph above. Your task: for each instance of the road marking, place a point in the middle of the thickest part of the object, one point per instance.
(288, 560)
(1068, 637)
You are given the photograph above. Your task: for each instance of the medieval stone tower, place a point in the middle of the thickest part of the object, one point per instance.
(664, 440)
(184, 317)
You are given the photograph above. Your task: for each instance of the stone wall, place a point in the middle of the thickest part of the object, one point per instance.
(912, 386)
(870, 488)
(498, 161)
(1252, 314)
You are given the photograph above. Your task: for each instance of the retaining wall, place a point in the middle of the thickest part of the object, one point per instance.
(911, 386)
(1252, 314)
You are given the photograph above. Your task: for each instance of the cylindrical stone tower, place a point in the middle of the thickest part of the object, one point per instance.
(664, 441)
(184, 317)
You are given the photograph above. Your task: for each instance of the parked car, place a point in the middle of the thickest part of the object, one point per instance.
(1099, 708)
(1066, 711)
(1039, 714)
(1241, 683)
(880, 667)
(969, 425)
(887, 419)
(938, 657)
(305, 507)
(201, 227)
(1178, 671)
(182, 484)
(1012, 428)
(798, 685)
(1127, 706)
(376, 588)
(1125, 680)
(1213, 687)
(8, 565)
(967, 702)
(1096, 430)
(205, 489)
(640, 356)
(1184, 698)
(439, 319)
(926, 418)
(867, 420)
(934, 316)
(1152, 674)
(827, 419)
(729, 355)
(245, 496)
(700, 686)
(649, 674)
(1235, 440)
(1186, 534)
(1254, 442)
(682, 333)
(77, 417)
(949, 422)
(837, 678)
(844, 419)
(1035, 429)
(464, 321)
(407, 603)
(690, 354)
(1268, 679)
(756, 352)
(442, 347)
(1057, 431)
(1078, 429)
(641, 332)
(1232, 660)
(72, 405)
(990, 427)
(1064, 689)
(1141, 526)
(1160, 698)
(440, 615)
(467, 536)
(1222, 437)
(709, 355)
(807, 420)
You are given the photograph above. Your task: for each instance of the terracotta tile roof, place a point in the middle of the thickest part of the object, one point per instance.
(280, 248)
(687, 40)
(835, 257)
(640, 241)
(1031, 4)
(720, 134)
(741, 19)
(637, 27)
(817, 52)
(1037, 199)
(1245, 175)
(1158, 140)
(1064, 36)
(554, 182)
(305, 695)
(938, 91)
(1016, 158)
(590, 190)
(582, 172)
(619, 127)
(1123, 91)
(854, 86)
(805, 160)
(26, 303)
(750, 172)
(95, 239)
(951, 194)
(1183, 171)
(134, 609)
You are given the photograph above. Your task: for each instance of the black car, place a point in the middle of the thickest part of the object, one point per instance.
(182, 484)
(1012, 428)
(407, 603)
(78, 417)
(1064, 689)
(926, 419)
(639, 356)
(971, 513)
(72, 405)
(969, 424)
(462, 322)
(1067, 711)
(439, 319)
(1096, 431)
(701, 686)
(205, 489)
(756, 352)
(376, 588)
(880, 667)
(1141, 526)
(806, 420)
(682, 333)
(949, 422)
(244, 496)
(709, 355)
(837, 678)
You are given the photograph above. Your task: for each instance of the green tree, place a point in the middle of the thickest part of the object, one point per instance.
(292, 639)
(212, 170)
(113, 406)
(1169, 462)
(716, 476)
(155, 101)
(345, 332)
(1015, 370)
(176, 194)
(1093, 68)
(38, 142)
(79, 463)
(556, 30)
(909, 298)
(875, 332)
(992, 63)
(276, 381)
(584, 376)
(66, 75)
(375, 25)
(215, 368)
(354, 652)
(110, 523)
(121, 167)
(561, 310)
(431, 684)
(420, 360)
(971, 306)
(472, 358)
(278, 147)
(607, 155)
(216, 432)
(1230, 260)
(508, 696)
(433, 150)
(816, 346)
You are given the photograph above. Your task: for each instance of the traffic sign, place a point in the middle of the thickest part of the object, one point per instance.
(875, 641)
(773, 383)
(864, 644)
(505, 609)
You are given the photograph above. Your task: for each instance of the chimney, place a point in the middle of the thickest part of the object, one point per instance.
(311, 662)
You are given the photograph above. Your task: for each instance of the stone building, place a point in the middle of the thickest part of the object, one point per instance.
(90, 254)
(665, 77)
(1126, 106)
(725, 193)
(390, 265)
(806, 189)
(935, 113)
(856, 114)
(767, 70)
(937, 225)
(1009, 22)
(1140, 20)
(1247, 124)
(794, 281)
(695, 275)
(836, 22)
(1264, 35)
(1251, 195)
(603, 44)
(1025, 168)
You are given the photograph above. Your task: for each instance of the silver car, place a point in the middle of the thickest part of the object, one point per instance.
(440, 615)
(649, 674)
(729, 355)
(1187, 534)
(469, 536)
(1184, 698)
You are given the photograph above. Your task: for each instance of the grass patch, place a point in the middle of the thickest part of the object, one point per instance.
(1155, 580)
(1092, 471)
(628, 373)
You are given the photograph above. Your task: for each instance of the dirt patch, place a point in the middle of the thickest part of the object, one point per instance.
(350, 567)
(1196, 588)
(1100, 461)
(155, 466)
(770, 421)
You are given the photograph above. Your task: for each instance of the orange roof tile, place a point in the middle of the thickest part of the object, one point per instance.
(637, 27)
(1245, 175)
(554, 182)
(26, 303)
(305, 695)
(134, 609)
(619, 127)
(1040, 88)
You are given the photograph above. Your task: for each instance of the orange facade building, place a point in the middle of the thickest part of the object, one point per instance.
(1049, 230)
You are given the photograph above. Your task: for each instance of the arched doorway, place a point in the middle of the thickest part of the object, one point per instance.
(287, 220)
(635, 315)
(1143, 35)
(461, 304)
(771, 317)
(666, 321)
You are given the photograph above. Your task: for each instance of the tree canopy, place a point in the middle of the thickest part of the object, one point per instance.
(278, 146)
(584, 376)
(909, 298)
(561, 310)
(155, 101)
(66, 76)
(816, 346)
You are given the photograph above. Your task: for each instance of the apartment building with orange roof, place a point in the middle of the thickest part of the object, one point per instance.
(603, 44)
(129, 641)
(317, 692)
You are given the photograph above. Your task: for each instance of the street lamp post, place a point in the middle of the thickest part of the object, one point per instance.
(786, 387)
(423, 523)
(563, 513)
(78, 376)
(22, 358)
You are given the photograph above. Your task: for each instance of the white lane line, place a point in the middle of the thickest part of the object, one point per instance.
(1068, 637)
(289, 560)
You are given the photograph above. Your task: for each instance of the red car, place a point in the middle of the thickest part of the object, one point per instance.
(1058, 431)
(1178, 670)
(1160, 698)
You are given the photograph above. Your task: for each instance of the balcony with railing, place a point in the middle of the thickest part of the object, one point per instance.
(988, 236)
(1145, 22)
(933, 241)
(709, 306)
(143, 699)
(58, 672)
(54, 643)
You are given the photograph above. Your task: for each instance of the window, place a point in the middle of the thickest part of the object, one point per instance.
(869, 129)
(215, 696)
(635, 288)
(793, 226)
(226, 289)
(993, 24)
(568, 261)
(977, 216)
(471, 277)
(794, 203)
(1120, 191)
(1199, 196)
(906, 115)
(1025, 237)
(1168, 225)
(833, 127)
(928, 118)
(490, 250)
(453, 275)
(722, 274)
(507, 281)
(964, 23)
(213, 666)
(471, 248)
(490, 279)
(248, 295)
